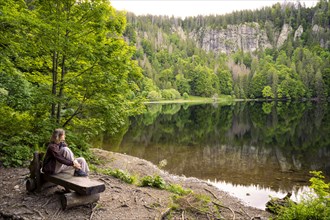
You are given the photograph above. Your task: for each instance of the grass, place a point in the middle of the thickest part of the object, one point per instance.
(197, 99)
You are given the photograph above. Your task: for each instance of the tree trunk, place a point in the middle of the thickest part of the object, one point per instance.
(60, 94)
(54, 76)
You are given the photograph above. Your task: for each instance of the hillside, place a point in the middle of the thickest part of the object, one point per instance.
(274, 52)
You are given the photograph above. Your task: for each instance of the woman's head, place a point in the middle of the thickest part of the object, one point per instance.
(58, 136)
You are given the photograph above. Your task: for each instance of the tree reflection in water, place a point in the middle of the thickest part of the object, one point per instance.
(269, 145)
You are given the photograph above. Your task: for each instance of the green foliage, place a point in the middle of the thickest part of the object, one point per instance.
(267, 92)
(170, 94)
(178, 190)
(225, 82)
(156, 181)
(65, 65)
(312, 206)
(194, 205)
(321, 188)
(299, 68)
(154, 95)
(185, 96)
(267, 107)
(182, 84)
(15, 156)
(120, 174)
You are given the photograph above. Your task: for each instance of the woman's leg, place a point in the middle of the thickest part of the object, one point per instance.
(83, 163)
(67, 153)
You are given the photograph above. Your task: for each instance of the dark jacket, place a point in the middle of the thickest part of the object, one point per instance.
(52, 155)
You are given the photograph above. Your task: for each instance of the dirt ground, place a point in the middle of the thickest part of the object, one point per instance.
(120, 200)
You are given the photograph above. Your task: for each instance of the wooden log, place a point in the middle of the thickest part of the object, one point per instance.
(30, 184)
(37, 159)
(73, 199)
(34, 182)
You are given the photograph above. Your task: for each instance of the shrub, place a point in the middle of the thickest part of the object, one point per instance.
(166, 94)
(312, 206)
(154, 95)
(15, 156)
(156, 181)
(175, 93)
(120, 174)
(185, 96)
(177, 189)
(170, 94)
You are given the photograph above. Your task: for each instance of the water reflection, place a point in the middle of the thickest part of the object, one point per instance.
(269, 145)
(256, 196)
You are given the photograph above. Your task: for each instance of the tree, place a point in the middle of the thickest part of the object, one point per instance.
(200, 83)
(267, 92)
(225, 82)
(320, 88)
(86, 60)
(65, 64)
(182, 84)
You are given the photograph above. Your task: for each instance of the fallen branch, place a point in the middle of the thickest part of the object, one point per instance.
(226, 207)
(246, 213)
(211, 193)
(37, 211)
(148, 207)
(200, 211)
(93, 209)
(105, 181)
(165, 213)
(150, 195)
(56, 213)
(222, 206)
(46, 202)
(239, 213)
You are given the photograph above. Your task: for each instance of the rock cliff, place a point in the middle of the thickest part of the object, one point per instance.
(247, 37)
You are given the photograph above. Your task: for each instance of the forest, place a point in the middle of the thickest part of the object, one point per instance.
(63, 64)
(85, 67)
(177, 60)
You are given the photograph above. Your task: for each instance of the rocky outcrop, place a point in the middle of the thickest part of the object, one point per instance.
(246, 37)
(322, 34)
(286, 30)
(298, 32)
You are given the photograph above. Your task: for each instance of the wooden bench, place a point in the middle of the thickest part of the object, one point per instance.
(86, 190)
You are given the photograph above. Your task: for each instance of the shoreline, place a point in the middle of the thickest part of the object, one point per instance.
(121, 200)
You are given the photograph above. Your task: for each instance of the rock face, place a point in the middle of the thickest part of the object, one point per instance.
(321, 34)
(247, 37)
(298, 32)
(286, 30)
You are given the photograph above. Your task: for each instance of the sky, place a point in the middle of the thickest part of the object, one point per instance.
(184, 8)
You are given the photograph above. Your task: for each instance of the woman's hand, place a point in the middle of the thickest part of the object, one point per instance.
(76, 165)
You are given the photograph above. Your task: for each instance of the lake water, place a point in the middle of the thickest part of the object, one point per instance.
(252, 150)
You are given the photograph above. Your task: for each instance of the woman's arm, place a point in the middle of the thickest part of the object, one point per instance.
(55, 151)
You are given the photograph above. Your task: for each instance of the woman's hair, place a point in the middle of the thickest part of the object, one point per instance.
(56, 136)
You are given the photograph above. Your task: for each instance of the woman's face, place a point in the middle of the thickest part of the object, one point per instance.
(62, 137)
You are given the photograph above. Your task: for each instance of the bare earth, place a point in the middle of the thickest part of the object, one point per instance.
(120, 200)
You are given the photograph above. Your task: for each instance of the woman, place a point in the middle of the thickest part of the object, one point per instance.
(60, 158)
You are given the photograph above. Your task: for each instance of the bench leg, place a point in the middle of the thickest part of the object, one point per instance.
(69, 200)
(34, 182)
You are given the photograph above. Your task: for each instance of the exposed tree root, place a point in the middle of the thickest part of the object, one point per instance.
(56, 213)
(164, 214)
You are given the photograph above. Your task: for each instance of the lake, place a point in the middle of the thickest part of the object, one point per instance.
(252, 150)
